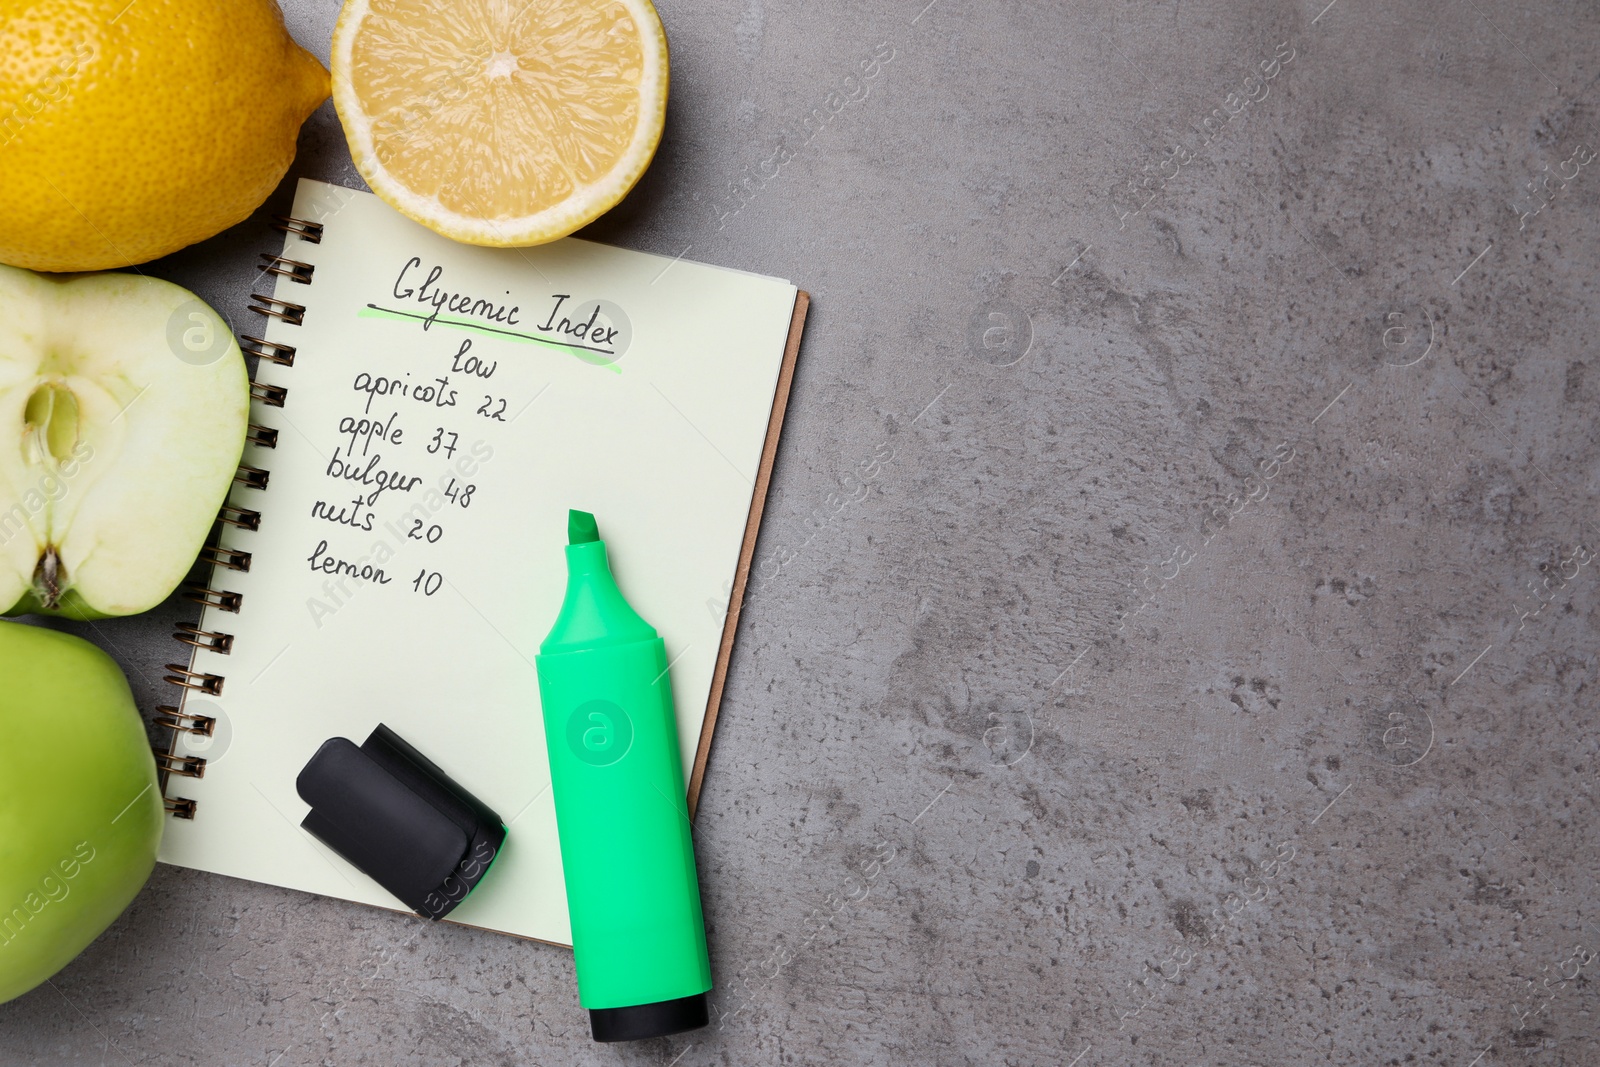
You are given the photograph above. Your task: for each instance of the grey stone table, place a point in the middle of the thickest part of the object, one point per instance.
(1175, 632)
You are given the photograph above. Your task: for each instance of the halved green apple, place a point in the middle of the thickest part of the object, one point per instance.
(124, 403)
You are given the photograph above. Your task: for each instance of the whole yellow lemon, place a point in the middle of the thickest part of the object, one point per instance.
(132, 128)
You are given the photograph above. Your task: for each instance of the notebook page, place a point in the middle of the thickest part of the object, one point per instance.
(447, 405)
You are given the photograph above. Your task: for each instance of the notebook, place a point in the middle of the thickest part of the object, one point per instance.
(425, 413)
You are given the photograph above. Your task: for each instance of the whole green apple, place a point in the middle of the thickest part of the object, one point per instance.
(80, 811)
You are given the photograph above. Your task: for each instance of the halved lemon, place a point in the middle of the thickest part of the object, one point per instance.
(501, 122)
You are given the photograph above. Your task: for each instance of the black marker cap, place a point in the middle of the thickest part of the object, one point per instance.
(640, 1021)
(407, 825)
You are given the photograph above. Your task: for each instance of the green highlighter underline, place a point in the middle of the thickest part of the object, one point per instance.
(373, 311)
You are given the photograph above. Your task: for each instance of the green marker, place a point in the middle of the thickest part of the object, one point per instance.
(621, 807)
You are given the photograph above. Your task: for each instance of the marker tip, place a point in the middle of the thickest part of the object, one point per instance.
(581, 528)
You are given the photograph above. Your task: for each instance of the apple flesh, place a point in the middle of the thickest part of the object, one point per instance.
(80, 811)
(124, 403)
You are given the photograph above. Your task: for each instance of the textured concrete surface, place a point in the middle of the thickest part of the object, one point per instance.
(1176, 637)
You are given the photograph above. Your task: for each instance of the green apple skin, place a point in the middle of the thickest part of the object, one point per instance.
(70, 606)
(81, 813)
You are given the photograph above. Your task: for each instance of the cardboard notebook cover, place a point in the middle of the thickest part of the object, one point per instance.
(747, 550)
(220, 815)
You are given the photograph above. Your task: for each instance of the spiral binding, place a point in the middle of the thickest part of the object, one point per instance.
(254, 477)
(231, 558)
(210, 640)
(307, 231)
(265, 349)
(169, 716)
(220, 599)
(292, 269)
(199, 681)
(292, 313)
(265, 436)
(187, 766)
(271, 395)
(243, 518)
(170, 762)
